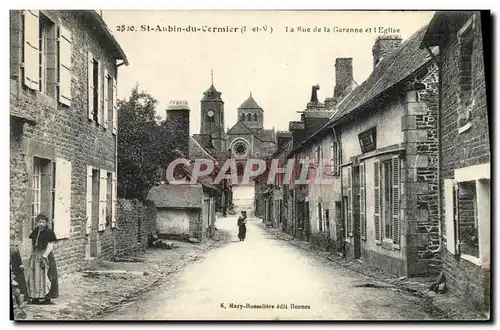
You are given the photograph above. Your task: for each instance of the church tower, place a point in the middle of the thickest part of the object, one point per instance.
(250, 113)
(212, 119)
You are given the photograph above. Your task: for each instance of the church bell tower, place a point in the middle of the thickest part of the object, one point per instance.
(212, 119)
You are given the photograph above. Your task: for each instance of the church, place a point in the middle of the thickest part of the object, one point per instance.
(246, 139)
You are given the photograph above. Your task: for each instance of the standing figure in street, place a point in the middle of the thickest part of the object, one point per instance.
(42, 277)
(242, 227)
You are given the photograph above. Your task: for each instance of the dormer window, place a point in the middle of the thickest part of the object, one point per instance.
(368, 140)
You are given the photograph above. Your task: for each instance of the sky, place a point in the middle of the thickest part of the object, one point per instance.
(277, 66)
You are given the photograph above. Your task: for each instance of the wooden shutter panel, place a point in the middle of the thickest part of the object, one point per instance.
(90, 73)
(99, 93)
(396, 175)
(89, 200)
(115, 107)
(362, 213)
(106, 100)
(349, 194)
(456, 214)
(64, 66)
(113, 200)
(62, 202)
(376, 194)
(449, 209)
(31, 51)
(103, 185)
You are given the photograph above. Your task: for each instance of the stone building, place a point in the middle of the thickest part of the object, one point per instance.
(63, 113)
(465, 156)
(377, 159)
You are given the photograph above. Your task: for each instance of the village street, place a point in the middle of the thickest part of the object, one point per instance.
(265, 270)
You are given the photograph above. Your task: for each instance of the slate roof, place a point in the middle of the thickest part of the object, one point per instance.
(197, 151)
(182, 196)
(240, 128)
(216, 94)
(267, 135)
(250, 104)
(390, 72)
(264, 135)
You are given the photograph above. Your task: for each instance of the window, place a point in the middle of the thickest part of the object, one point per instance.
(42, 193)
(335, 158)
(46, 48)
(386, 200)
(249, 117)
(95, 99)
(465, 72)
(242, 117)
(467, 219)
(255, 117)
(347, 218)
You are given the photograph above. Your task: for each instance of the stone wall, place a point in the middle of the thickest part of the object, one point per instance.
(421, 209)
(136, 220)
(60, 131)
(469, 148)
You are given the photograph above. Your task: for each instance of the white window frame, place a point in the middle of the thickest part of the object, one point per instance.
(384, 181)
(475, 173)
(36, 194)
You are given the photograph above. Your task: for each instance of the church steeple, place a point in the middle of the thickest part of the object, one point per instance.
(212, 116)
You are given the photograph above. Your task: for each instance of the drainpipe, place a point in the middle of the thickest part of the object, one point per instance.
(438, 118)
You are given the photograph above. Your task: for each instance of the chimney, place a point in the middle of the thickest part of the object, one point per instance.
(384, 46)
(297, 129)
(282, 138)
(343, 78)
(177, 125)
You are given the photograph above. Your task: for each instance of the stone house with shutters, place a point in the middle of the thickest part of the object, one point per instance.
(381, 144)
(63, 133)
(465, 156)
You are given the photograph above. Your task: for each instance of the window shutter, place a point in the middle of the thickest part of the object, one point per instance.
(113, 200)
(362, 213)
(115, 107)
(31, 49)
(89, 200)
(396, 175)
(456, 208)
(103, 184)
(64, 66)
(449, 200)
(90, 72)
(106, 101)
(376, 194)
(62, 202)
(349, 194)
(99, 93)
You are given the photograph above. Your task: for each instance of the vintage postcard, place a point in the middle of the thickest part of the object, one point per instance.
(250, 165)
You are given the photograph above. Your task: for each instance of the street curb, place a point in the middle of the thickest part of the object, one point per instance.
(436, 310)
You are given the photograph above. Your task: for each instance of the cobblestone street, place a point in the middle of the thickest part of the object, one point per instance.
(232, 280)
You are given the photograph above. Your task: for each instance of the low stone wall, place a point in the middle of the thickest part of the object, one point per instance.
(136, 220)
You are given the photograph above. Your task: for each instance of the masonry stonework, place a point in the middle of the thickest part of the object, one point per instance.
(60, 131)
(421, 209)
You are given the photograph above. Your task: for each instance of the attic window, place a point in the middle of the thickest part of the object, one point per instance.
(368, 140)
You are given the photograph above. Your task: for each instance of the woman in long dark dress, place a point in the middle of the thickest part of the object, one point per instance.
(242, 228)
(42, 277)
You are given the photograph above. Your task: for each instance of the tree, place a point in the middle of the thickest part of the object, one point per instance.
(140, 142)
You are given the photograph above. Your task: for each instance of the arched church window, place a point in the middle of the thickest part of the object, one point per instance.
(249, 117)
(255, 117)
(242, 117)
